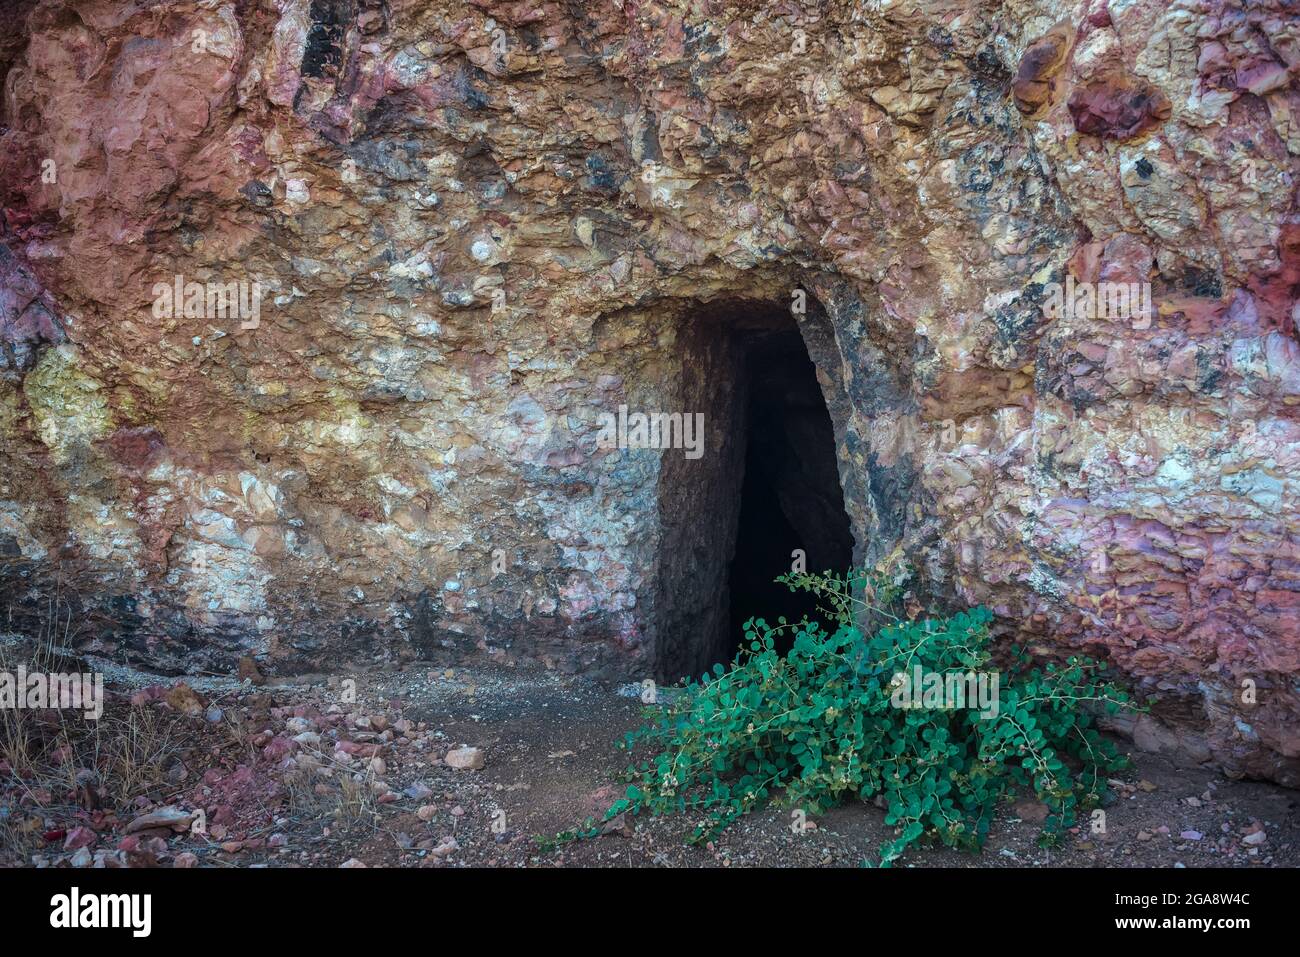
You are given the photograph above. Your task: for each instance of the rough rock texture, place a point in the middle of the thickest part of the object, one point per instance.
(477, 226)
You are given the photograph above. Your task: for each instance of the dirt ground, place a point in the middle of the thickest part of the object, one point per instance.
(349, 770)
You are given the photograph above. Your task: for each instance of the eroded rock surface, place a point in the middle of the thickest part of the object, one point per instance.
(478, 226)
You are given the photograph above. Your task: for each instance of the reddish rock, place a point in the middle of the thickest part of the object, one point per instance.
(1033, 86)
(79, 837)
(357, 749)
(183, 698)
(1117, 107)
(248, 671)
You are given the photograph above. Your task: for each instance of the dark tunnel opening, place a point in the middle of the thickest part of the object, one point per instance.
(791, 504)
(765, 496)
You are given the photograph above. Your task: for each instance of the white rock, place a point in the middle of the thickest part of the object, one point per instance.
(467, 759)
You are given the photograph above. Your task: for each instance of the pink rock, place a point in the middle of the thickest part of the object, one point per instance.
(1263, 77)
(155, 846)
(279, 747)
(358, 750)
(79, 837)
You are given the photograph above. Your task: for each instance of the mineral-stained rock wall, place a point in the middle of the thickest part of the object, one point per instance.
(476, 226)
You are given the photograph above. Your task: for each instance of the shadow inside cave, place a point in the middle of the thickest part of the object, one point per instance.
(765, 495)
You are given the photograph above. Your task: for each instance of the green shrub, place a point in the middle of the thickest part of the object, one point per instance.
(820, 724)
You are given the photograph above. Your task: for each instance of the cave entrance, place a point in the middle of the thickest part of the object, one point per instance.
(766, 489)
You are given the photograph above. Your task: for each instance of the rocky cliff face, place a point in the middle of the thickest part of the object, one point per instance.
(435, 241)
